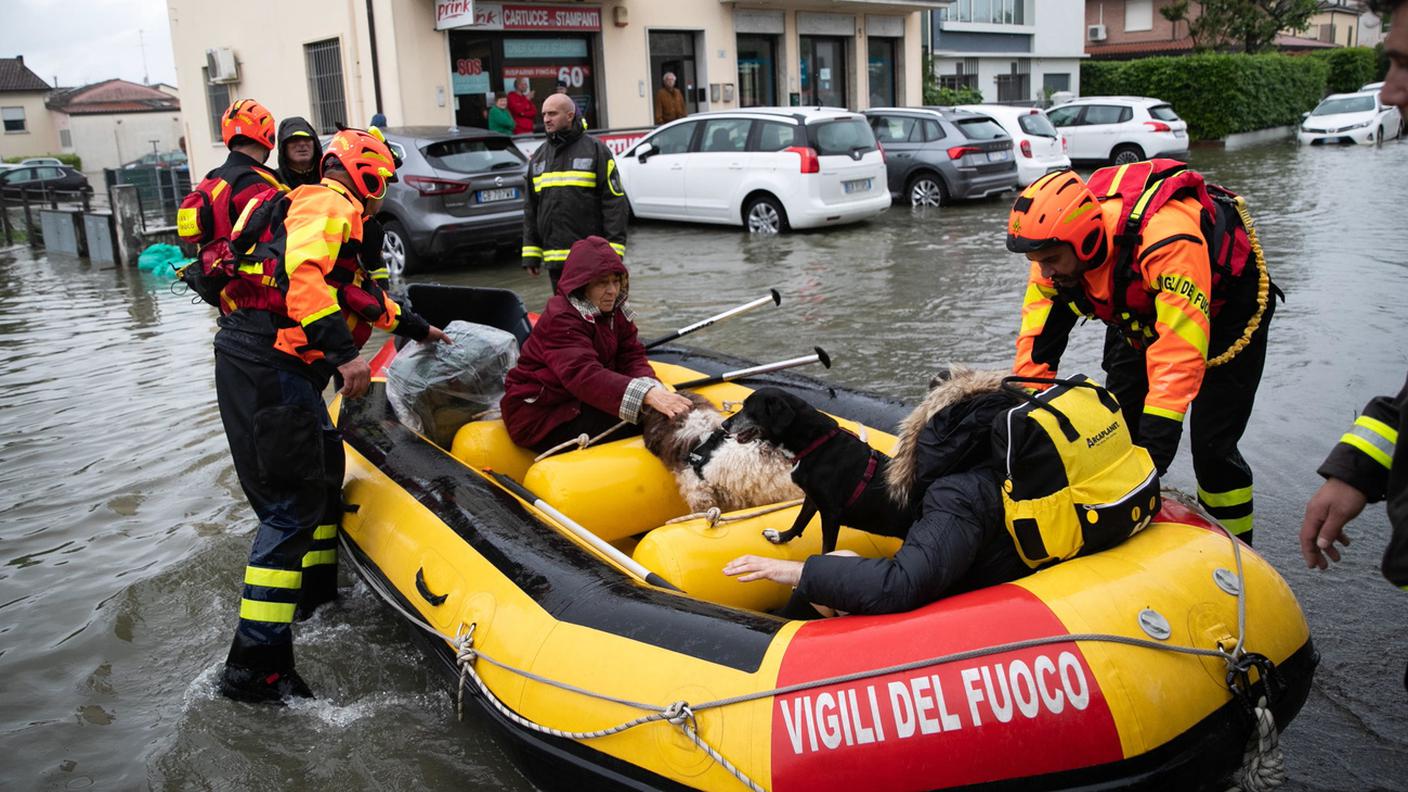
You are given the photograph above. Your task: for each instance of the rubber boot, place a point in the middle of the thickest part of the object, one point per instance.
(261, 674)
(319, 588)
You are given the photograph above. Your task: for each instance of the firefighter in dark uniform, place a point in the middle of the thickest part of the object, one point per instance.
(575, 192)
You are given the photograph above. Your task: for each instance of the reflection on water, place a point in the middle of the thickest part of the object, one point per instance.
(122, 529)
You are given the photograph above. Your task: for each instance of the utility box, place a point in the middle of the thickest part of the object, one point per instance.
(102, 237)
(63, 231)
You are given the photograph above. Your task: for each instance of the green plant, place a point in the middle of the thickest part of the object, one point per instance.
(934, 95)
(1349, 68)
(1217, 94)
(72, 160)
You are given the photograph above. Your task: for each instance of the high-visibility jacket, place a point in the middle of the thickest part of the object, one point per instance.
(330, 302)
(574, 192)
(1369, 458)
(1173, 268)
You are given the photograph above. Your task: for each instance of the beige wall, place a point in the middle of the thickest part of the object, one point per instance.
(108, 141)
(41, 135)
(414, 58)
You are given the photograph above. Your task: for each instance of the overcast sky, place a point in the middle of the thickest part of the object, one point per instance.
(89, 40)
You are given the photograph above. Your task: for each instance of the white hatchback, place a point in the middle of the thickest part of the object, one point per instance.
(1350, 118)
(1121, 129)
(765, 168)
(1040, 149)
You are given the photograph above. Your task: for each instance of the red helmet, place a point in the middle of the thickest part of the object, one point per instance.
(1057, 208)
(366, 158)
(247, 118)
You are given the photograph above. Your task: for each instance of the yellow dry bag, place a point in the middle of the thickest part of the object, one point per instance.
(1076, 483)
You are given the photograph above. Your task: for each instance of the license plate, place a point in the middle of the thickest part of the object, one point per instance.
(999, 156)
(490, 196)
(1179, 133)
(856, 185)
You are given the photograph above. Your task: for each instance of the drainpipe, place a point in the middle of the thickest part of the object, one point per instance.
(376, 63)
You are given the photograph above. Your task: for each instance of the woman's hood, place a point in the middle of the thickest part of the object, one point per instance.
(949, 432)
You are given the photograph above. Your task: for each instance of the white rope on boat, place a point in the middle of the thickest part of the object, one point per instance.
(716, 515)
(581, 441)
(1263, 763)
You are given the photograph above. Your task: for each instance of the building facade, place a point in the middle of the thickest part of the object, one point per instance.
(27, 128)
(1014, 51)
(1121, 29)
(111, 123)
(437, 62)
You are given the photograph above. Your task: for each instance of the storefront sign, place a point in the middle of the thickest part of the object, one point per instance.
(512, 16)
(469, 77)
(574, 76)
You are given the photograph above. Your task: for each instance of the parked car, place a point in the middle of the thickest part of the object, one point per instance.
(1038, 148)
(457, 190)
(765, 168)
(34, 181)
(936, 154)
(1350, 118)
(164, 159)
(41, 161)
(1373, 86)
(1120, 129)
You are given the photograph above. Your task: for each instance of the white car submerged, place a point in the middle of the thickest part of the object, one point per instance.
(1350, 118)
(766, 169)
(1040, 149)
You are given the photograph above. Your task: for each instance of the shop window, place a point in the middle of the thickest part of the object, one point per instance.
(823, 71)
(217, 98)
(13, 118)
(673, 51)
(757, 71)
(325, 94)
(996, 12)
(881, 66)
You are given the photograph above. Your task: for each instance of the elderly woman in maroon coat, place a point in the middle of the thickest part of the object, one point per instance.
(583, 368)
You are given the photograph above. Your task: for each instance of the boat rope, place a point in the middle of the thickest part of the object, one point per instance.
(715, 515)
(580, 442)
(1263, 763)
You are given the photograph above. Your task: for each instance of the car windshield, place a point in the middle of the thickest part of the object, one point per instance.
(1036, 124)
(1163, 113)
(1347, 104)
(981, 128)
(841, 137)
(471, 155)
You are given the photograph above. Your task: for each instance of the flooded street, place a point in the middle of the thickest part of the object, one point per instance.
(123, 530)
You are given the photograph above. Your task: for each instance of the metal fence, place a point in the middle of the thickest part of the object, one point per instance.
(160, 190)
(20, 210)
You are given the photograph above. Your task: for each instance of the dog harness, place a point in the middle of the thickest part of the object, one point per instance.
(871, 464)
(700, 455)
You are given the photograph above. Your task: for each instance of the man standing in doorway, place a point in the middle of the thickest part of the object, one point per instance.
(521, 107)
(576, 192)
(669, 102)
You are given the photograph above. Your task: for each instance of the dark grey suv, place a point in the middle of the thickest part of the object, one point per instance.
(935, 154)
(458, 190)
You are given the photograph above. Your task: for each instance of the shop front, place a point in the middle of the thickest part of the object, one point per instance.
(497, 48)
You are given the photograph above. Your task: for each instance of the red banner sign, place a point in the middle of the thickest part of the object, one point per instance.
(529, 17)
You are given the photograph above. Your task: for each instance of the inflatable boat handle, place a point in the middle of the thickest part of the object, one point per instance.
(582, 533)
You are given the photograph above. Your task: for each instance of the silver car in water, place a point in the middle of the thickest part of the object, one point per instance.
(459, 190)
(935, 155)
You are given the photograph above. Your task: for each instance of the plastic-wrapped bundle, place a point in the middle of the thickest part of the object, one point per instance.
(437, 388)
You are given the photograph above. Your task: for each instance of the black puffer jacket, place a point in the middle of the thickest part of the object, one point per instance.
(958, 541)
(288, 129)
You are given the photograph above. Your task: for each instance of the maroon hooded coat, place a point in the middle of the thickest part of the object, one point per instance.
(576, 354)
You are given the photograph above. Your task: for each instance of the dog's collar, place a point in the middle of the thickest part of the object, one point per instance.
(864, 479)
(700, 455)
(817, 443)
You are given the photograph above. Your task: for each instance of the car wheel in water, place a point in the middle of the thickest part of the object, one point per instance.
(396, 250)
(1124, 155)
(764, 215)
(1379, 137)
(926, 189)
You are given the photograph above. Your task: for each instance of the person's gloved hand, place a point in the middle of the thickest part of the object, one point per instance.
(1160, 435)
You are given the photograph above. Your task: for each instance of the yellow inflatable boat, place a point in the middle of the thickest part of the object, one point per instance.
(1100, 672)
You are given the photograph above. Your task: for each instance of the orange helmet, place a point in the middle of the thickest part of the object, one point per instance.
(1057, 208)
(248, 118)
(366, 158)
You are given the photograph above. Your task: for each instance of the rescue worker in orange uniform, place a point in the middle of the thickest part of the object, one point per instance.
(1147, 253)
(303, 321)
(207, 215)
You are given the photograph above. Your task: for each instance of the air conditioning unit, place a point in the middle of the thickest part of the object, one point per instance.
(221, 65)
(1096, 33)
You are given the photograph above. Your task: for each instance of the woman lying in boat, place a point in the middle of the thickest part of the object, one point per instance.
(583, 368)
(945, 468)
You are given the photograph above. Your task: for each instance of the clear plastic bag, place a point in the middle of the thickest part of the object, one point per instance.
(437, 388)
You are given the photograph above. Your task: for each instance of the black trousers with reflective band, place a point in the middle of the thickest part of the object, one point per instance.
(1217, 417)
(289, 460)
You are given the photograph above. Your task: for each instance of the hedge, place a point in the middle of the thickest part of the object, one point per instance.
(1218, 95)
(1350, 67)
(72, 160)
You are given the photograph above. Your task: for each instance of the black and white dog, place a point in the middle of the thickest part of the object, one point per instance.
(841, 476)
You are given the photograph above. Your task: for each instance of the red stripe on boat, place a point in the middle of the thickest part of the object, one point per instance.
(383, 357)
(1007, 715)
